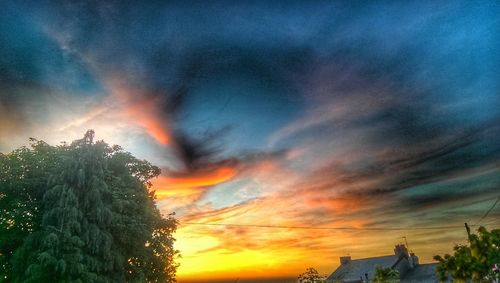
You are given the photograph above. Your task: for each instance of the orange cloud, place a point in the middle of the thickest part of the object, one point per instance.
(180, 190)
(203, 178)
(341, 204)
(142, 108)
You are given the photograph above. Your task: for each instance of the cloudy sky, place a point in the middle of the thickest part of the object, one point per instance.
(382, 119)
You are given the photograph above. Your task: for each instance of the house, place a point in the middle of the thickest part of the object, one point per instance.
(363, 270)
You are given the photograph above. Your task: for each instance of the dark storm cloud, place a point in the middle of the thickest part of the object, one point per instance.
(157, 43)
(414, 92)
(138, 44)
(400, 146)
(391, 116)
(74, 47)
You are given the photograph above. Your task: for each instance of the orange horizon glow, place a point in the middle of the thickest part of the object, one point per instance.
(222, 253)
(230, 252)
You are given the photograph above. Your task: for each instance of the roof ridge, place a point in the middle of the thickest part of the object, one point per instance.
(373, 257)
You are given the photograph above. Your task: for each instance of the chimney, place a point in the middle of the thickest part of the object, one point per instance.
(400, 251)
(414, 259)
(344, 259)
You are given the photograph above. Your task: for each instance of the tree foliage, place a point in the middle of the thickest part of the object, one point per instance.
(82, 212)
(311, 275)
(23, 179)
(386, 275)
(476, 262)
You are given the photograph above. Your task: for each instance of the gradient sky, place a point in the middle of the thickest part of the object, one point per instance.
(327, 114)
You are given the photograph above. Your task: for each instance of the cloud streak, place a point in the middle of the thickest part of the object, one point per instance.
(322, 115)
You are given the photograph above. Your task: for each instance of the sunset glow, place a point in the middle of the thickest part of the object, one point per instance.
(287, 134)
(197, 179)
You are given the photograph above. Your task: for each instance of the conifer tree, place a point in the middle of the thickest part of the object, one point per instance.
(96, 220)
(23, 179)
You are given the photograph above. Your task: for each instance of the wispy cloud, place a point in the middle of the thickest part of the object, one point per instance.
(309, 115)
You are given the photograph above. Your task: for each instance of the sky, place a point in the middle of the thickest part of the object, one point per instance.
(315, 129)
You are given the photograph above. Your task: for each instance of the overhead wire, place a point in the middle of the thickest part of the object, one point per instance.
(346, 227)
(326, 228)
(488, 212)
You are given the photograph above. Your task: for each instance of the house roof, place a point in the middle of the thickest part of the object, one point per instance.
(422, 273)
(354, 269)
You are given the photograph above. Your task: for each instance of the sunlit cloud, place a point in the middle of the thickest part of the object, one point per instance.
(384, 118)
(142, 109)
(196, 179)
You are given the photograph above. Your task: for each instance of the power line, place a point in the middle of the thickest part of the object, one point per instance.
(345, 228)
(326, 228)
(488, 212)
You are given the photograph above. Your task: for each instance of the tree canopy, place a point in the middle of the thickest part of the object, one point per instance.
(82, 212)
(478, 261)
